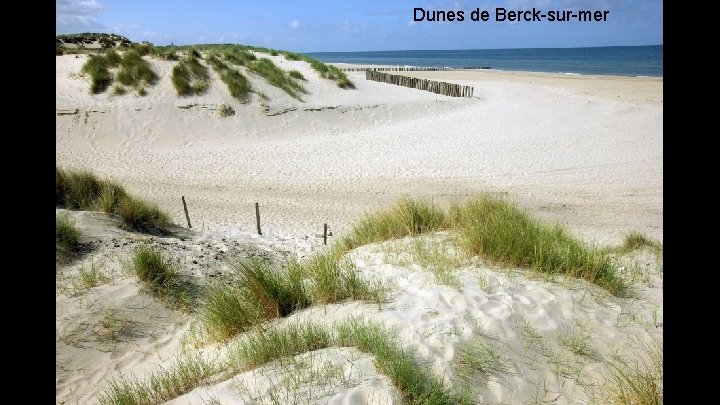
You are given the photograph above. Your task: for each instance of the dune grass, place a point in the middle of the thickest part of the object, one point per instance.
(326, 71)
(261, 347)
(151, 267)
(160, 277)
(83, 190)
(237, 84)
(415, 384)
(142, 215)
(135, 71)
(277, 77)
(239, 56)
(97, 67)
(637, 382)
(190, 77)
(262, 293)
(406, 218)
(162, 385)
(67, 237)
(636, 241)
(499, 230)
(296, 75)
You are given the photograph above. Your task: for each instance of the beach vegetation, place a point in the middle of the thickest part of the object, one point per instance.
(237, 83)
(97, 67)
(189, 76)
(67, 237)
(296, 75)
(160, 278)
(83, 190)
(134, 70)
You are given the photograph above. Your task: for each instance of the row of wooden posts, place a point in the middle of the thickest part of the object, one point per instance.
(444, 88)
(411, 68)
(257, 220)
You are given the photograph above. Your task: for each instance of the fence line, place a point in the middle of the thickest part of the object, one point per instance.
(411, 69)
(444, 88)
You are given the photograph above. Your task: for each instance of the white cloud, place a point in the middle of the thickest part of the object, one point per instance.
(73, 16)
(294, 24)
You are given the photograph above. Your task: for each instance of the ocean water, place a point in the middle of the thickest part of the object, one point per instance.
(609, 60)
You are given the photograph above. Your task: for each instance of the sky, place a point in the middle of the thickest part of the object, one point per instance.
(358, 25)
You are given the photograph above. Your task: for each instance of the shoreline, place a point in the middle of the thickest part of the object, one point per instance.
(490, 69)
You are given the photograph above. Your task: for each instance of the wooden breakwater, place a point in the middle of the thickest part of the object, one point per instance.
(444, 88)
(411, 68)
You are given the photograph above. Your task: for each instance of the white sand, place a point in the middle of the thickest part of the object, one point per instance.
(560, 145)
(566, 147)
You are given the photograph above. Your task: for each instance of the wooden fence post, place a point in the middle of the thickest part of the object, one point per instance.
(187, 216)
(325, 234)
(257, 217)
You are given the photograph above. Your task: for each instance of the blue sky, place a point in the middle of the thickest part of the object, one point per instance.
(360, 25)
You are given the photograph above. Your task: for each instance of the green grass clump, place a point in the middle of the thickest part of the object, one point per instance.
(240, 57)
(332, 279)
(333, 73)
(160, 277)
(277, 77)
(261, 293)
(500, 231)
(83, 190)
(238, 85)
(100, 77)
(406, 218)
(264, 293)
(638, 382)
(636, 240)
(113, 58)
(162, 385)
(141, 215)
(77, 189)
(258, 348)
(67, 237)
(415, 384)
(190, 77)
(296, 75)
(134, 70)
(151, 267)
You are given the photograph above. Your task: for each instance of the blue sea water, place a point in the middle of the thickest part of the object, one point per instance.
(609, 60)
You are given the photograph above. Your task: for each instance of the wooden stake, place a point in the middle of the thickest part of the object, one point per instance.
(257, 217)
(325, 234)
(187, 216)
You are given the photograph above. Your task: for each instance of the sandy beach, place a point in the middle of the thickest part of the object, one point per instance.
(582, 151)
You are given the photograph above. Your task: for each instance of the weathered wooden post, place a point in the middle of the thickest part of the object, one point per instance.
(325, 234)
(187, 216)
(257, 217)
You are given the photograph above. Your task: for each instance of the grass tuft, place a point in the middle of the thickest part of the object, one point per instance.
(277, 77)
(152, 268)
(406, 218)
(415, 384)
(238, 85)
(260, 347)
(67, 238)
(159, 276)
(296, 75)
(142, 215)
(500, 231)
(264, 293)
(162, 385)
(639, 382)
(135, 71)
(190, 77)
(100, 77)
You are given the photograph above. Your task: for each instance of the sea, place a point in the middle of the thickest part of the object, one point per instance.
(607, 60)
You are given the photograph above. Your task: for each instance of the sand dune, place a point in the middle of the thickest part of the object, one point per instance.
(582, 151)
